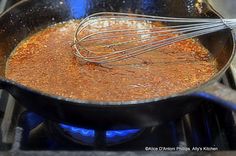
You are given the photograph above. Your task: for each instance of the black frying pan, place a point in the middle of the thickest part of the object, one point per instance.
(30, 16)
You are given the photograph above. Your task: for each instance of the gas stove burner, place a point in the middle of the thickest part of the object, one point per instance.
(89, 136)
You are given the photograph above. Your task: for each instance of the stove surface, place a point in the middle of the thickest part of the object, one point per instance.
(209, 128)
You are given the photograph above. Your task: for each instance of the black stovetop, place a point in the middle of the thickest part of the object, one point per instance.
(25, 133)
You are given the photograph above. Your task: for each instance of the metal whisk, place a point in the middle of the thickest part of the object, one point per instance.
(109, 37)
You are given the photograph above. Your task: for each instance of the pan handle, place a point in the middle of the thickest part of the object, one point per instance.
(220, 94)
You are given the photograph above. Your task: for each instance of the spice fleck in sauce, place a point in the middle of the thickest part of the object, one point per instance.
(45, 61)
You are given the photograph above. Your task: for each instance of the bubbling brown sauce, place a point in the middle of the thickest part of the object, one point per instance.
(45, 61)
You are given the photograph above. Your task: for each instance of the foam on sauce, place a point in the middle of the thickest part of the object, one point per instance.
(45, 61)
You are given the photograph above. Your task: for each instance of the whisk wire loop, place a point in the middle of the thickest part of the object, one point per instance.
(145, 39)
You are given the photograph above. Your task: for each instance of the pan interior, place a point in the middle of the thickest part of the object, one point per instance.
(158, 73)
(219, 44)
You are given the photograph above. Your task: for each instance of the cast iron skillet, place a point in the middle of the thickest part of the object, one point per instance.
(29, 16)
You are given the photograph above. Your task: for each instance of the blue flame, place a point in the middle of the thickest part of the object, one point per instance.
(91, 133)
(121, 133)
(82, 131)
